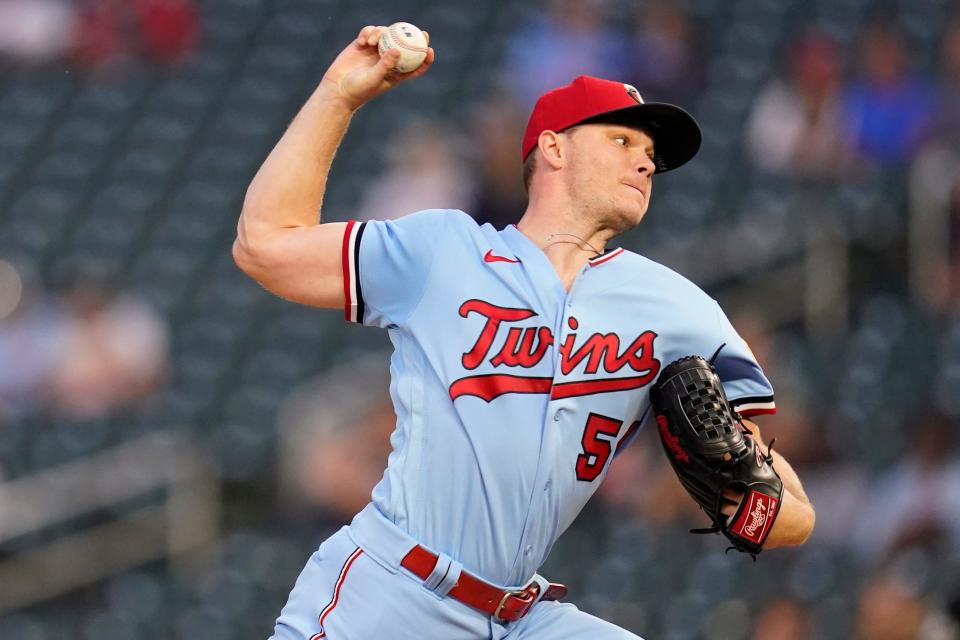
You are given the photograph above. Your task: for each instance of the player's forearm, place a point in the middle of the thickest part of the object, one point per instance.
(791, 481)
(288, 189)
(789, 477)
(795, 522)
(796, 518)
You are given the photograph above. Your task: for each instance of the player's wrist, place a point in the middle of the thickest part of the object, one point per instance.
(793, 524)
(331, 94)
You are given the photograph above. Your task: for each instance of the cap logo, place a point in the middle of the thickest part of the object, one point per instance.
(633, 93)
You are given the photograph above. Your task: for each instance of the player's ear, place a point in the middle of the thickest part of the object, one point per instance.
(550, 144)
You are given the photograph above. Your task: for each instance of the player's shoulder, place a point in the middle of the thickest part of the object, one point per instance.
(437, 217)
(644, 269)
(441, 234)
(431, 224)
(657, 289)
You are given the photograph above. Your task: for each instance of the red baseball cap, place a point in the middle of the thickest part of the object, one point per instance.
(676, 135)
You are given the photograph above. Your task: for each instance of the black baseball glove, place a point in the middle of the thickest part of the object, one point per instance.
(713, 453)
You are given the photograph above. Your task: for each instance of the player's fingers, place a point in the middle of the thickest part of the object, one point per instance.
(730, 502)
(374, 36)
(426, 34)
(364, 34)
(388, 61)
(422, 69)
(393, 56)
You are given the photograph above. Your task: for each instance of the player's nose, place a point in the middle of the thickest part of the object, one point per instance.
(645, 166)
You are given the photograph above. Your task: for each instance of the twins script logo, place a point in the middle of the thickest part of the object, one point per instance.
(525, 347)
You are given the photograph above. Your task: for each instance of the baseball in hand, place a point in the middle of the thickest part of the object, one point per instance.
(409, 40)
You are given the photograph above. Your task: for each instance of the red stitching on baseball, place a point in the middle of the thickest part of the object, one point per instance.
(403, 45)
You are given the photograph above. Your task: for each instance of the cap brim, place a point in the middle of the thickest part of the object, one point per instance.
(676, 135)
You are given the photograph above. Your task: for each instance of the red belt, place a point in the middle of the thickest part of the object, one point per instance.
(506, 606)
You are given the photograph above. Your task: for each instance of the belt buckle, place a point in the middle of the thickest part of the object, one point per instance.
(527, 596)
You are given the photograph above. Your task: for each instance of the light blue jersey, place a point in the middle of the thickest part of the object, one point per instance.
(513, 395)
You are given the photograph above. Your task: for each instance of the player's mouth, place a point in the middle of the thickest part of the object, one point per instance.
(636, 188)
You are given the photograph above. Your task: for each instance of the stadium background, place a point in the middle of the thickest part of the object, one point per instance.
(174, 442)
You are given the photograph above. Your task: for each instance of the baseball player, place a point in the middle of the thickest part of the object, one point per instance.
(522, 364)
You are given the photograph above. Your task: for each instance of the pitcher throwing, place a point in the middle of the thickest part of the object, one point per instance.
(523, 358)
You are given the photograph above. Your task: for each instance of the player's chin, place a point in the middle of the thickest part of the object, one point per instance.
(633, 214)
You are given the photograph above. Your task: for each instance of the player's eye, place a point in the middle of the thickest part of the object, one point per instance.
(622, 140)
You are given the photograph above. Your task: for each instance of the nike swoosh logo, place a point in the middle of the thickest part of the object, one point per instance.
(489, 257)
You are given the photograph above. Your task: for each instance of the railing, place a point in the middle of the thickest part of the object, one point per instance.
(176, 512)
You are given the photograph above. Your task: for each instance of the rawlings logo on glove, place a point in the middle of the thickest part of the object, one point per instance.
(755, 521)
(670, 441)
(713, 453)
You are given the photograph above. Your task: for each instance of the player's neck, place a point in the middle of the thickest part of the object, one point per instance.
(568, 244)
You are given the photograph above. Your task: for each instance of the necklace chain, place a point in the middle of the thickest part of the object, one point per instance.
(592, 248)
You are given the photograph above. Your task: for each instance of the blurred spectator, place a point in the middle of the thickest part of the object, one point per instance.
(336, 439)
(568, 39)
(889, 610)
(424, 171)
(100, 39)
(953, 217)
(896, 604)
(951, 609)
(496, 130)
(169, 29)
(915, 503)
(34, 31)
(795, 128)
(934, 185)
(112, 33)
(340, 483)
(665, 61)
(115, 351)
(838, 492)
(783, 619)
(888, 107)
(31, 336)
(946, 123)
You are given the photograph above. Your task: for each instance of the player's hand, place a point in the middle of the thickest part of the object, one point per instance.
(359, 74)
(754, 430)
(730, 501)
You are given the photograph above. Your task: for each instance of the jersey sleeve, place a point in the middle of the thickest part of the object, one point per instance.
(747, 387)
(387, 263)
